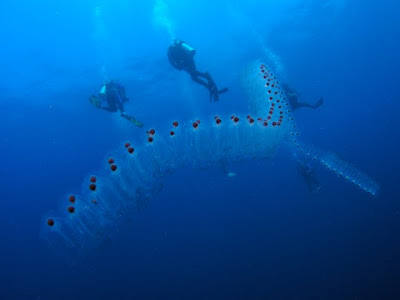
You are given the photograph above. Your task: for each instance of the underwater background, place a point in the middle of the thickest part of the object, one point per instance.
(257, 235)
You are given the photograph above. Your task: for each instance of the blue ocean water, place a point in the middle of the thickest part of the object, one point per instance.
(258, 235)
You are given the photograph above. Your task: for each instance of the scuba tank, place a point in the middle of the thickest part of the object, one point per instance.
(103, 89)
(188, 48)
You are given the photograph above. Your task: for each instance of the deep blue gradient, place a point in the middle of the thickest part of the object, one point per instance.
(258, 235)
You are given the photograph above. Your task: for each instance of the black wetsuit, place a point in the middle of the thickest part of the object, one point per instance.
(182, 58)
(309, 177)
(293, 99)
(115, 97)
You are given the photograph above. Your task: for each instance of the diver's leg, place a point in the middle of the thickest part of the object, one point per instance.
(310, 179)
(207, 76)
(195, 77)
(309, 184)
(122, 94)
(210, 80)
(128, 117)
(120, 107)
(319, 103)
(308, 176)
(315, 186)
(209, 85)
(110, 109)
(212, 87)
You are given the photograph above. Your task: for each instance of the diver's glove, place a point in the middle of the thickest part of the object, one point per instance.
(95, 101)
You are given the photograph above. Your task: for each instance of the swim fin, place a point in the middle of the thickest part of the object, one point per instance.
(136, 122)
(319, 103)
(132, 119)
(224, 90)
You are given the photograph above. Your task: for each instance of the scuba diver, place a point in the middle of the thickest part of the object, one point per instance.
(303, 168)
(293, 99)
(113, 93)
(181, 57)
(309, 177)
